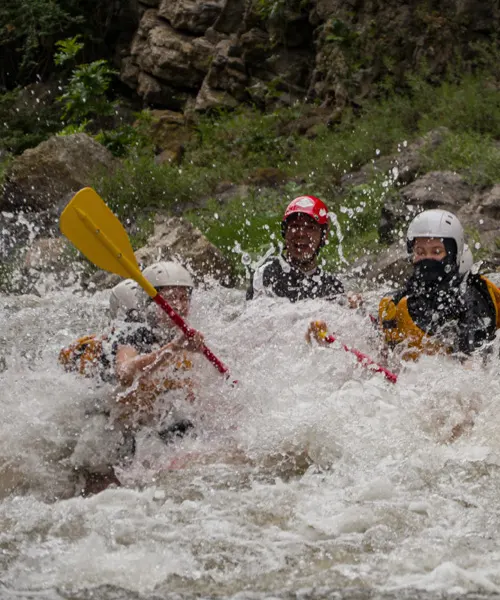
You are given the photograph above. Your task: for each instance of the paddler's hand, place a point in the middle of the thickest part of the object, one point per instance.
(354, 300)
(317, 330)
(194, 341)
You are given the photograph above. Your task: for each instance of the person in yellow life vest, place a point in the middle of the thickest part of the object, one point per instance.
(161, 361)
(443, 307)
(150, 363)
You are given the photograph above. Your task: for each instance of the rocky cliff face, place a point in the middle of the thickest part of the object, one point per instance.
(217, 53)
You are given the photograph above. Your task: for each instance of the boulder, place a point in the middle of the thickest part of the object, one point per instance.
(47, 254)
(226, 81)
(210, 99)
(169, 130)
(438, 189)
(42, 176)
(390, 266)
(175, 238)
(231, 16)
(171, 156)
(194, 16)
(487, 203)
(394, 220)
(157, 93)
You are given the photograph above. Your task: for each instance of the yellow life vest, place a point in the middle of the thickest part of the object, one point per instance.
(397, 326)
(494, 293)
(83, 356)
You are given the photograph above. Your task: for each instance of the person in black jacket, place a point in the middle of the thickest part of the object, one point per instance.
(441, 309)
(295, 274)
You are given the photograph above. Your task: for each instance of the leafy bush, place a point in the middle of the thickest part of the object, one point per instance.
(67, 50)
(236, 143)
(473, 104)
(142, 185)
(24, 122)
(85, 93)
(474, 155)
(29, 30)
(27, 27)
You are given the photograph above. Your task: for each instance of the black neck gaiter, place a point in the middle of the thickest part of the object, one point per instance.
(434, 293)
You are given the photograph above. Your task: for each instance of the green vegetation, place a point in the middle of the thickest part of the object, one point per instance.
(233, 147)
(24, 121)
(244, 146)
(28, 119)
(29, 30)
(475, 156)
(84, 95)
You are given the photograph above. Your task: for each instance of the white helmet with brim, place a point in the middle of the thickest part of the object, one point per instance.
(439, 224)
(168, 273)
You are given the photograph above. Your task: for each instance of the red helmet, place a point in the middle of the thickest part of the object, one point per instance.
(312, 207)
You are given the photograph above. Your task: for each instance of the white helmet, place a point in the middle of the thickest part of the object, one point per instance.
(467, 261)
(437, 224)
(164, 274)
(124, 296)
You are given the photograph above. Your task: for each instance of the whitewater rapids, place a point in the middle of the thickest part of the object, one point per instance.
(311, 478)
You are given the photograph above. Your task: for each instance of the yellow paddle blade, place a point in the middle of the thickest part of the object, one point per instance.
(91, 226)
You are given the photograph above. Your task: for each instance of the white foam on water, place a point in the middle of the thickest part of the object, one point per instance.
(310, 473)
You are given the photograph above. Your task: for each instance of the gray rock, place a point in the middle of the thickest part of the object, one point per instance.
(48, 254)
(438, 189)
(176, 238)
(390, 266)
(41, 177)
(194, 16)
(166, 60)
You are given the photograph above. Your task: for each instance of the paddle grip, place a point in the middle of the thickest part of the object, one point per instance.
(189, 332)
(366, 361)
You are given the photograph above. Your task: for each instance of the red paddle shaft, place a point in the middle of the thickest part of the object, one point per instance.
(189, 332)
(366, 361)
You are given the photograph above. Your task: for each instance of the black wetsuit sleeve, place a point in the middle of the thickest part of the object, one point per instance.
(477, 322)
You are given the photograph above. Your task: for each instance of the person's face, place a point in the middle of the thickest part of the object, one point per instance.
(432, 248)
(302, 237)
(179, 298)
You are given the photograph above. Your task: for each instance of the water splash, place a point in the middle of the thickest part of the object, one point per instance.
(333, 218)
(312, 474)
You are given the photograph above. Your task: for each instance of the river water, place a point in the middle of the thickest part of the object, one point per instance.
(311, 478)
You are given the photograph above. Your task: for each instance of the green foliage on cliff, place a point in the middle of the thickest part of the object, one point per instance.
(239, 148)
(26, 120)
(475, 156)
(29, 30)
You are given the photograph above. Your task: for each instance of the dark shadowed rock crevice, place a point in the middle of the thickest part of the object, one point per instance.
(216, 53)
